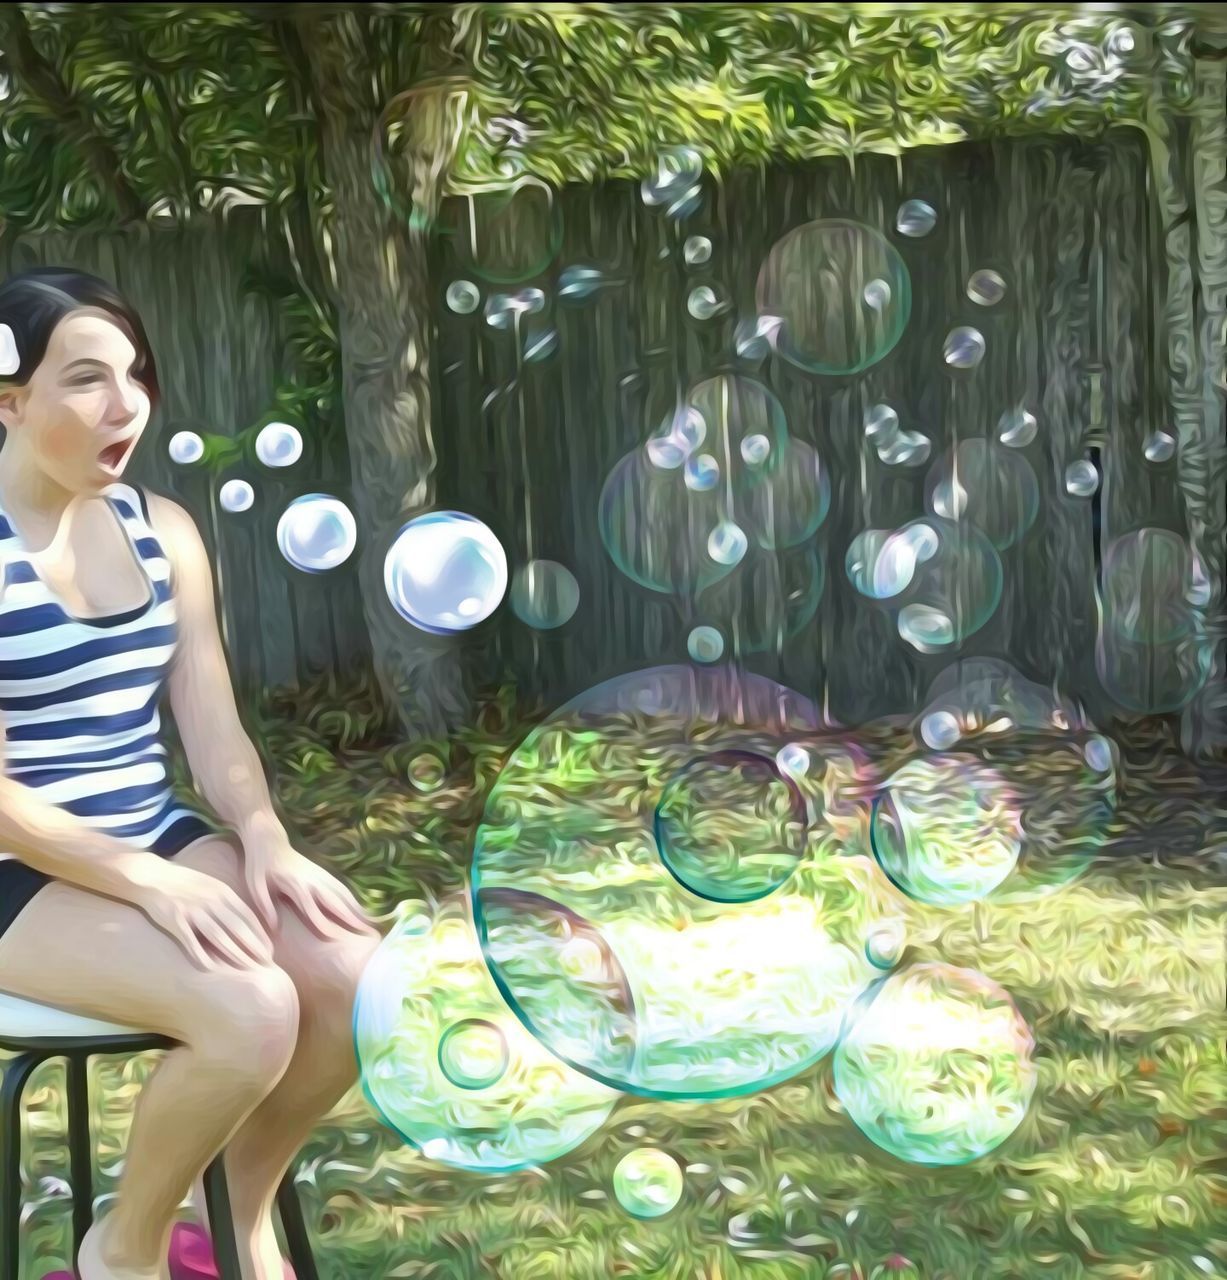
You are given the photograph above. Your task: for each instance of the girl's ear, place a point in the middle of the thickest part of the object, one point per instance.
(11, 400)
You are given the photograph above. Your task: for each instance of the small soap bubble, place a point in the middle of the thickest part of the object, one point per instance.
(916, 218)
(666, 452)
(877, 294)
(702, 472)
(696, 250)
(881, 423)
(703, 303)
(793, 760)
(756, 339)
(236, 495)
(885, 944)
(317, 532)
(648, 1183)
(541, 346)
(186, 447)
(907, 449)
(1160, 446)
(985, 288)
(964, 347)
(940, 730)
(727, 543)
(689, 429)
(705, 644)
(575, 284)
(1098, 753)
(1081, 478)
(279, 445)
(1016, 428)
(463, 297)
(755, 449)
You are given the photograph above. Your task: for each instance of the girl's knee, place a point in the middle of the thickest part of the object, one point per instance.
(249, 1026)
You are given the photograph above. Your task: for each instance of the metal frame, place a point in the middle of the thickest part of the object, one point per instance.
(32, 1052)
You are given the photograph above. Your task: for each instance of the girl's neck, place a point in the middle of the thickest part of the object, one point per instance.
(31, 498)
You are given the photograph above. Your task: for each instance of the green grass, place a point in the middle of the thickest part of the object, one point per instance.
(1118, 1170)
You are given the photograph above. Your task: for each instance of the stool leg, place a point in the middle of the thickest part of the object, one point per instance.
(217, 1202)
(298, 1242)
(11, 1090)
(80, 1149)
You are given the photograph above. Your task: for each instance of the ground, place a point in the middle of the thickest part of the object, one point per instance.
(1118, 1171)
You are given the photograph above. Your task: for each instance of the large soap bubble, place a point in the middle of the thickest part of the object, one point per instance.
(735, 409)
(816, 281)
(317, 532)
(445, 572)
(946, 830)
(1153, 679)
(938, 1069)
(505, 236)
(449, 1067)
(678, 995)
(544, 594)
(786, 503)
(992, 486)
(1148, 586)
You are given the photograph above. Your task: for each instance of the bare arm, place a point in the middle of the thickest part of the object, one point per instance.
(222, 758)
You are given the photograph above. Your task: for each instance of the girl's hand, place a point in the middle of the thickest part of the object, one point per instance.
(273, 869)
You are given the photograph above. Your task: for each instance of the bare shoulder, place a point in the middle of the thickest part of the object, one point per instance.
(172, 523)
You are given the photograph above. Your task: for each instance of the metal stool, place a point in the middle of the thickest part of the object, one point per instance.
(36, 1032)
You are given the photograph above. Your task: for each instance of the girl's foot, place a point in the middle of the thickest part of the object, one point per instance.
(99, 1259)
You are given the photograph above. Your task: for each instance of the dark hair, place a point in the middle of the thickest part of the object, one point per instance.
(35, 301)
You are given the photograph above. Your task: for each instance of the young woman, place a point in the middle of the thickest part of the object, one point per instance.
(116, 901)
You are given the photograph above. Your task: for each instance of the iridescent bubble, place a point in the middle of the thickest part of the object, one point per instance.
(907, 449)
(463, 297)
(786, 504)
(877, 294)
(1159, 446)
(938, 1069)
(186, 447)
(279, 445)
(753, 991)
(1081, 478)
(544, 594)
(445, 572)
(540, 346)
(940, 730)
(861, 562)
(885, 943)
(702, 472)
(705, 644)
(1147, 581)
(666, 452)
(648, 1183)
(317, 532)
(675, 184)
(1153, 679)
(236, 495)
(756, 339)
(727, 543)
(898, 557)
(507, 235)
(696, 250)
(916, 218)
(881, 423)
(793, 760)
(703, 303)
(1016, 428)
(578, 283)
(964, 347)
(449, 1067)
(723, 861)
(816, 280)
(994, 488)
(986, 288)
(732, 408)
(502, 309)
(755, 450)
(1099, 754)
(473, 1053)
(926, 627)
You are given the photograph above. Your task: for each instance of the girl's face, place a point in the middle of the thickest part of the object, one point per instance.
(82, 412)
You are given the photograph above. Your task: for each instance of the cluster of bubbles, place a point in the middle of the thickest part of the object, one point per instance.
(710, 939)
(895, 447)
(1153, 652)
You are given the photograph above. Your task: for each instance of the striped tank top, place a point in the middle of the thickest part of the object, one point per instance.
(79, 697)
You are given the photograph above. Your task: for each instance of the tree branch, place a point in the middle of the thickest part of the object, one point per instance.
(41, 80)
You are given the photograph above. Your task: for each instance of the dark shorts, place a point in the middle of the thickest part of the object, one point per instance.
(19, 883)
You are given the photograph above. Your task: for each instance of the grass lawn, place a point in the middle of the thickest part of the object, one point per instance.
(1118, 1171)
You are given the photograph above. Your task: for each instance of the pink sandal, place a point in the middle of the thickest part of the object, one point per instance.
(191, 1256)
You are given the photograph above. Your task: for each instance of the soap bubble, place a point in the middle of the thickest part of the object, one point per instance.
(648, 1183)
(578, 283)
(861, 564)
(705, 644)
(785, 504)
(449, 1067)
(733, 408)
(1153, 679)
(755, 450)
(689, 428)
(900, 554)
(1160, 446)
(1081, 478)
(666, 452)
(544, 594)
(236, 495)
(964, 347)
(696, 250)
(994, 488)
(509, 234)
(881, 424)
(946, 830)
(463, 297)
(756, 339)
(279, 445)
(1147, 583)
(793, 760)
(686, 996)
(907, 449)
(1016, 428)
(503, 308)
(1099, 754)
(727, 543)
(540, 346)
(703, 303)
(885, 943)
(817, 278)
(185, 448)
(940, 730)
(445, 572)
(938, 1069)
(916, 218)
(317, 532)
(986, 288)
(697, 844)
(702, 472)
(675, 184)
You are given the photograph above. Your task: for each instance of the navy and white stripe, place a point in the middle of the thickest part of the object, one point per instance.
(79, 697)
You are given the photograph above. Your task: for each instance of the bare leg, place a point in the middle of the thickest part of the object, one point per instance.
(237, 1029)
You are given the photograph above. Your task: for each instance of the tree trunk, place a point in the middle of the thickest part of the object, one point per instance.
(381, 283)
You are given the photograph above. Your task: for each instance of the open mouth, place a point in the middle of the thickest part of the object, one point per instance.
(114, 455)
